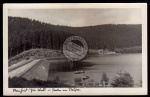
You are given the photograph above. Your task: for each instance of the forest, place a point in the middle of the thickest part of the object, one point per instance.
(25, 34)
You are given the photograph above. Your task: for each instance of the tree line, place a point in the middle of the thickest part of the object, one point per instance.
(25, 34)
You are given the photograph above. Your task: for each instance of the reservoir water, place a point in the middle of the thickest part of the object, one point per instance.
(95, 66)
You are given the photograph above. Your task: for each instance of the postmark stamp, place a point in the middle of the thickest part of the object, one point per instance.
(74, 51)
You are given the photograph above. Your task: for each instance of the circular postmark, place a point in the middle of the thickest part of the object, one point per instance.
(75, 48)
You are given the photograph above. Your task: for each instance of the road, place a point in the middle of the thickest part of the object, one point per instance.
(22, 69)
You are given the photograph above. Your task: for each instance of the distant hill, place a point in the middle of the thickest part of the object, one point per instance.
(25, 34)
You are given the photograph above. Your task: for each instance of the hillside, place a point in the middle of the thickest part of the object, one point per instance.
(25, 34)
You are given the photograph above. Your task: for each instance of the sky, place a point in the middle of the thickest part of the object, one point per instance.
(81, 17)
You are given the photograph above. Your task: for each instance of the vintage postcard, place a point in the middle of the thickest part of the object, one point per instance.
(75, 49)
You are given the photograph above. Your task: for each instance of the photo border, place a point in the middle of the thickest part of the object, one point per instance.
(83, 91)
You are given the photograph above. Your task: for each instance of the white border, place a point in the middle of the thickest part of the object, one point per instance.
(84, 91)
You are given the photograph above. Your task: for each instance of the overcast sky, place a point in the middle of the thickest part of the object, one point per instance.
(80, 17)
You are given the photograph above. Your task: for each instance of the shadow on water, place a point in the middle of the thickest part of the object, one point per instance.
(60, 68)
(65, 65)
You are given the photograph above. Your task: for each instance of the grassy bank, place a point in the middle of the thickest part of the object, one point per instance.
(135, 49)
(18, 82)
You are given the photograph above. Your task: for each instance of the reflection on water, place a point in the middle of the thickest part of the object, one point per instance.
(66, 66)
(95, 66)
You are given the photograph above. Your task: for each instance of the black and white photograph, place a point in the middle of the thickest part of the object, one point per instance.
(75, 47)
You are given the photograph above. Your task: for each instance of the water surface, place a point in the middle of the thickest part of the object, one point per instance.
(95, 66)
